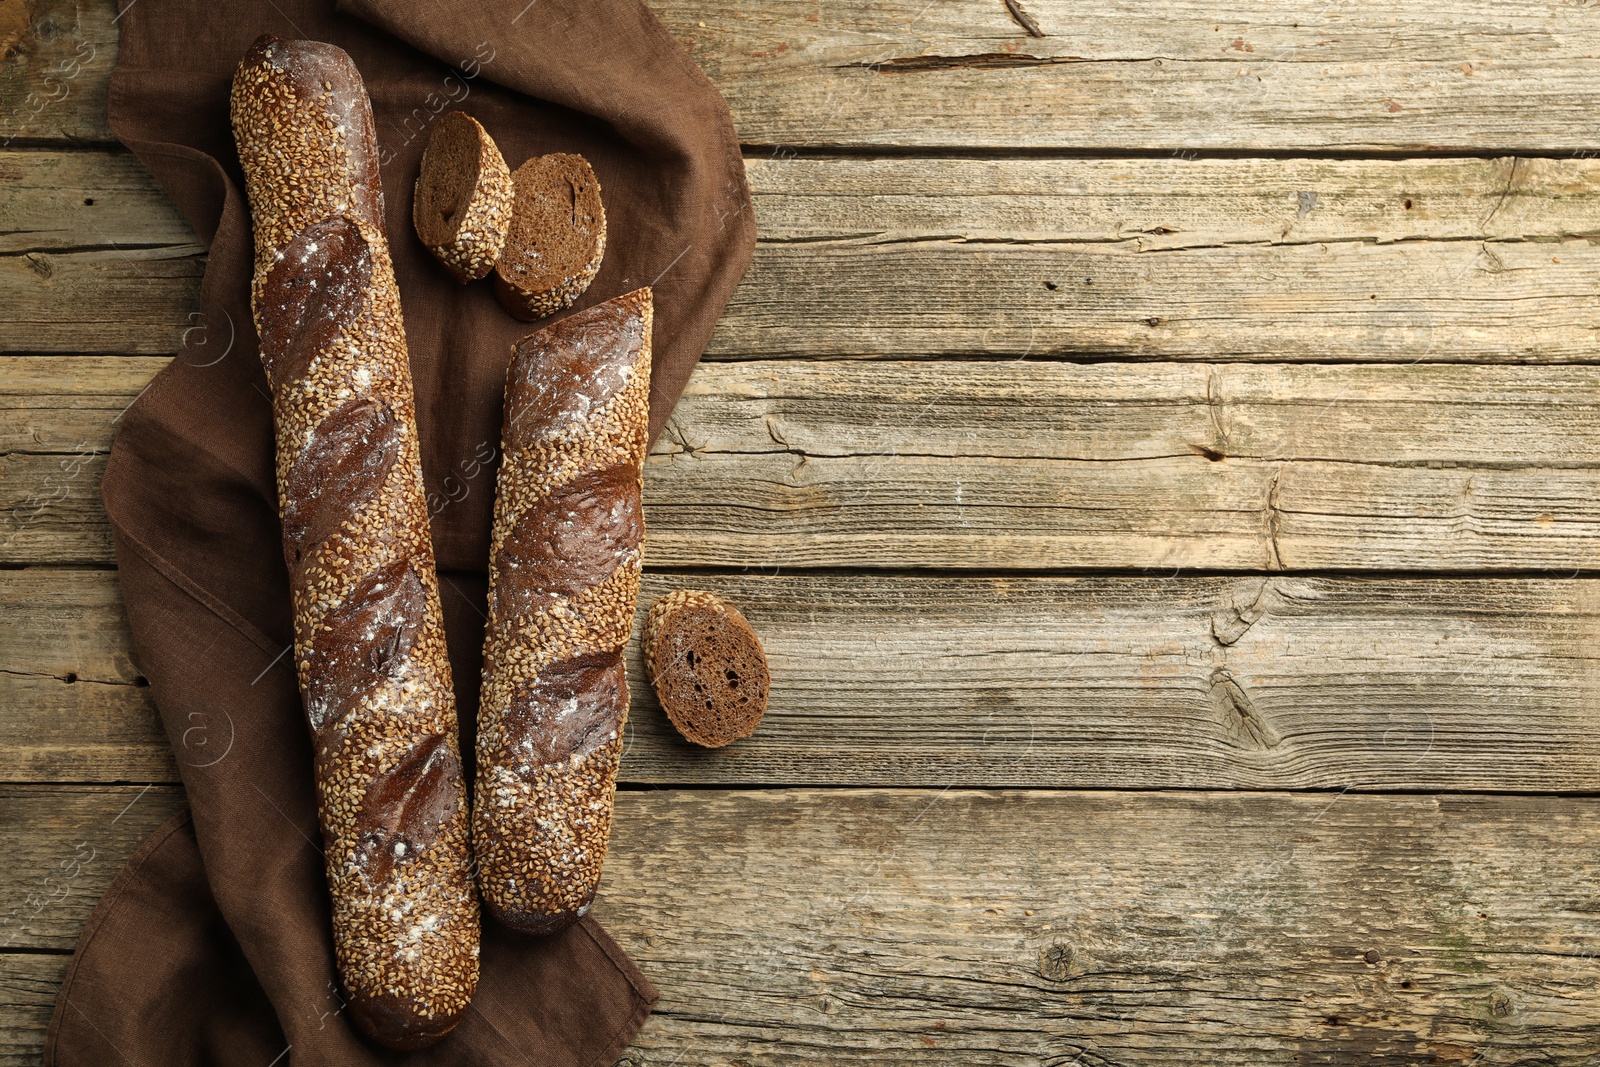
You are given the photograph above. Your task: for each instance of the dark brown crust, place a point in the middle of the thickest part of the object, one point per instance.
(564, 568)
(369, 633)
(706, 666)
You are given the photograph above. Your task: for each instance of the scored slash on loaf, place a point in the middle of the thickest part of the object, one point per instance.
(368, 632)
(565, 556)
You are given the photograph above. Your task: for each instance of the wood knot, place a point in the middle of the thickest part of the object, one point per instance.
(1242, 722)
(1055, 961)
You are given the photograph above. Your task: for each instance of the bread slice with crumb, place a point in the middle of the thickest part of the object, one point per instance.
(464, 193)
(706, 666)
(557, 237)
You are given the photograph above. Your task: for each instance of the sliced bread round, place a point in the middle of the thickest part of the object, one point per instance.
(462, 207)
(557, 238)
(706, 666)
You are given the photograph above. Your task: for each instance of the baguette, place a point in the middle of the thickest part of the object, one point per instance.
(368, 633)
(565, 554)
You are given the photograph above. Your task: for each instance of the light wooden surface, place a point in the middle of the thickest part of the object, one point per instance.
(1187, 416)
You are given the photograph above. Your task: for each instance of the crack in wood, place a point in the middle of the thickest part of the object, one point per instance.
(1274, 523)
(1511, 180)
(976, 61)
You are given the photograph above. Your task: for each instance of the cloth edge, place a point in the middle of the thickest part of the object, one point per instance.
(102, 911)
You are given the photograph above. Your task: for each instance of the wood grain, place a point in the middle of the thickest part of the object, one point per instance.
(56, 58)
(868, 927)
(1303, 260)
(28, 986)
(1278, 76)
(66, 843)
(137, 301)
(1428, 76)
(1150, 682)
(1175, 202)
(54, 201)
(1005, 464)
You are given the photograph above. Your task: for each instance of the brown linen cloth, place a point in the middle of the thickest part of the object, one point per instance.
(213, 945)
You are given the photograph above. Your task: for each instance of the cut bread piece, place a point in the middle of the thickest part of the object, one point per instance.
(462, 206)
(557, 238)
(706, 666)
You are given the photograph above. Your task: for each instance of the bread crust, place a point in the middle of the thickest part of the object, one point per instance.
(468, 243)
(368, 631)
(707, 667)
(565, 557)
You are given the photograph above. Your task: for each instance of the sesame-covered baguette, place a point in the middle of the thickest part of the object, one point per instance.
(368, 633)
(565, 554)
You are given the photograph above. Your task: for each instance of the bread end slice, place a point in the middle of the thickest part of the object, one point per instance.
(463, 202)
(706, 666)
(557, 237)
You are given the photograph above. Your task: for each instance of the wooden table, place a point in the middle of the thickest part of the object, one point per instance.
(1160, 450)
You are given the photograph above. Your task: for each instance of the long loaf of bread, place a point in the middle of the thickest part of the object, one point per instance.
(565, 555)
(368, 633)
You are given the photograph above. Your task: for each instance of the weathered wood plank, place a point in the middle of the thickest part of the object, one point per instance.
(1162, 203)
(135, 300)
(28, 986)
(55, 731)
(75, 706)
(1092, 682)
(1422, 77)
(1403, 302)
(1007, 463)
(1137, 259)
(1119, 75)
(56, 58)
(1176, 202)
(68, 404)
(52, 201)
(797, 926)
(66, 844)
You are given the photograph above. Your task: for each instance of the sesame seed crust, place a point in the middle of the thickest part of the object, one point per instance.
(477, 234)
(566, 551)
(368, 630)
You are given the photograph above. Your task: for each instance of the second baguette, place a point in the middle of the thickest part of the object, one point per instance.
(565, 555)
